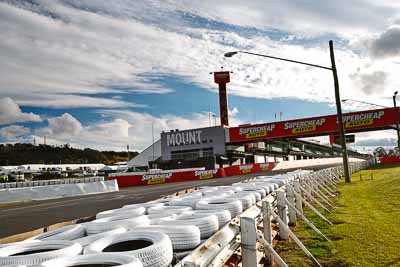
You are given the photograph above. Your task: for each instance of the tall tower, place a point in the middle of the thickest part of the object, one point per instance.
(222, 78)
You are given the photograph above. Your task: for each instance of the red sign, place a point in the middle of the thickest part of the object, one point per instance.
(354, 122)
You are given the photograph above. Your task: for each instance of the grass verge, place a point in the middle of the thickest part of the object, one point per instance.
(366, 230)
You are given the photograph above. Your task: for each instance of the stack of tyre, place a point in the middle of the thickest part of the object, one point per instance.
(146, 234)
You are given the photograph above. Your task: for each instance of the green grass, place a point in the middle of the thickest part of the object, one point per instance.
(366, 230)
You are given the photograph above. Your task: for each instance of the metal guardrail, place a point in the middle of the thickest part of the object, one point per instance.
(51, 182)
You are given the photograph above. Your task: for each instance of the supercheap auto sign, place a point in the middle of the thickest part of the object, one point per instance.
(353, 122)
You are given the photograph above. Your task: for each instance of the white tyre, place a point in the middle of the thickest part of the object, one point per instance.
(280, 182)
(164, 201)
(153, 249)
(271, 183)
(255, 196)
(207, 224)
(268, 188)
(87, 240)
(193, 194)
(111, 223)
(228, 191)
(116, 212)
(34, 253)
(183, 237)
(218, 193)
(224, 216)
(104, 259)
(155, 218)
(144, 205)
(255, 189)
(69, 232)
(186, 201)
(233, 206)
(168, 209)
(247, 200)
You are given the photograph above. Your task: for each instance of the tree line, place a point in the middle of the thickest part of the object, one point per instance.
(19, 154)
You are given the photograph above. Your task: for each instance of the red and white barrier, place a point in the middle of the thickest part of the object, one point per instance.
(132, 179)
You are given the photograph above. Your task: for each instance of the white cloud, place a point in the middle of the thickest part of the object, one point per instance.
(342, 17)
(65, 124)
(66, 49)
(367, 142)
(13, 132)
(387, 44)
(118, 129)
(10, 113)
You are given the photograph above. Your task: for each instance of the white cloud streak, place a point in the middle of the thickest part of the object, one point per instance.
(10, 112)
(62, 54)
(13, 132)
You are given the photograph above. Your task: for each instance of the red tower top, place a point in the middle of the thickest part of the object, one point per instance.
(222, 77)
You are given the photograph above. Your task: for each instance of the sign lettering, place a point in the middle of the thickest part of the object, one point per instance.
(325, 125)
(184, 138)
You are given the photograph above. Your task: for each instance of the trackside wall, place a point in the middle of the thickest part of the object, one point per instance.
(130, 179)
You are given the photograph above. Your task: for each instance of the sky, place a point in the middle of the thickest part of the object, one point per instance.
(107, 74)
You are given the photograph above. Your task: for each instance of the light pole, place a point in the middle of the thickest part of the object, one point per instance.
(363, 102)
(215, 119)
(337, 97)
(397, 119)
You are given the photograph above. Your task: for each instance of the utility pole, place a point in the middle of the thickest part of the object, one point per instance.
(127, 148)
(209, 115)
(397, 120)
(340, 116)
(152, 134)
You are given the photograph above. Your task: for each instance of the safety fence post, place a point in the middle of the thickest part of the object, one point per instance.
(282, 212)
(248, 233)
(291, 199)
(267, 229)
(299, 202)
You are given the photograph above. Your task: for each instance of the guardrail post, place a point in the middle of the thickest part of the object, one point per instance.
(282, 213)
(299, 202)
(267, 229)
(248, 232)
(291, 198)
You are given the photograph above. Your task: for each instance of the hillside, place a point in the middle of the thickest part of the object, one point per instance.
(18, 154)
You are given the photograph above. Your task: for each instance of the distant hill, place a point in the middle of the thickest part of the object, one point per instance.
(18, 154)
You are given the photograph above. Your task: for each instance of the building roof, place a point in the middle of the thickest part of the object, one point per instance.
(151, 153)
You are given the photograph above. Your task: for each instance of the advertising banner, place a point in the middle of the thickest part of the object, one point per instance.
(130, 179)
(354, 122)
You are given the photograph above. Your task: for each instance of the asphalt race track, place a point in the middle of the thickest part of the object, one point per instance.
(24, 217)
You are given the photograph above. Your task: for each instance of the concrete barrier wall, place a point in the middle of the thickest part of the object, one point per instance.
(56, 191)
(51, 182)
